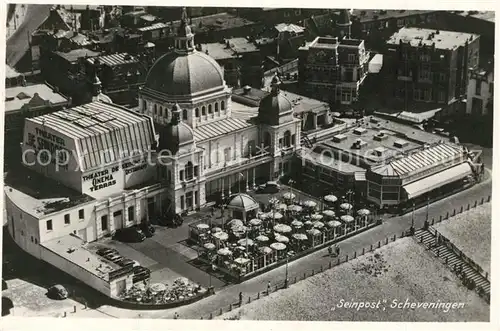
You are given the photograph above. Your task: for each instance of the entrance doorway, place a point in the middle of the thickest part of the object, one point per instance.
(118, 219)
(151, 208)
(189, 200)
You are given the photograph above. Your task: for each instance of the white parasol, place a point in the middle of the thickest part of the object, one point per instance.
(289, 196)
(224, 252)
(318, 225)
(314, 232)
(310, 203)
(330, 198)
(363, 212)
(316, 217)
(235, 223)
(202, 226)
(329, 213)
(262, 238)
(265, 250)
(295, 208)
(209, 246)
(221, 235)
(299, 236)
(277, 215)
(282, 228)
(242, 260)
(347, 218)
(282, 206)
(216, 229)
(346, 206)
(263, 216)
(297, 224)
(255, 222)
(334, 224)
(281, 239)
(278, 246)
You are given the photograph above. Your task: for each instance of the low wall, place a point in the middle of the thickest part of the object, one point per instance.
(168, 305)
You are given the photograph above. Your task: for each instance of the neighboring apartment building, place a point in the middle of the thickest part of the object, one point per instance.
(333, 70)
(480, 91)
(429, 66)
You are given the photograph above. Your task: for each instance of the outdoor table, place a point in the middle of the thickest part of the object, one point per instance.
(282, 228)
(278, 246)
(363, 212)
(316, 217)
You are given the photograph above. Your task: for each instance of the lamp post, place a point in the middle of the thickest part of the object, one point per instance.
(291, 182)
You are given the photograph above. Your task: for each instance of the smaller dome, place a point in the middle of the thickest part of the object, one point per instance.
(176, 134)
(276, 103)
(242, 201)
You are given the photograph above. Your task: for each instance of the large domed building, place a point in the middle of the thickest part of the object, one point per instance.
(186, 77)
(205, 151)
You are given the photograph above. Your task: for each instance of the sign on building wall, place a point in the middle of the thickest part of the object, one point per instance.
(54, 147)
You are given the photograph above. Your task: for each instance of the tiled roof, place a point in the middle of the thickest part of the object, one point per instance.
(219, 128)
(282, 27)
(154, 27)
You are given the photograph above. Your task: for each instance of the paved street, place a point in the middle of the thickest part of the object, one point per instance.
(17, 44)
(313, 261)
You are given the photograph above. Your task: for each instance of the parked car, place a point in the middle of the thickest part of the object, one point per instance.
(270, 187)
(132, 234)
(147, 229)
(106, 251)
(141, 273)
(127, 263)
(57, 292)
(113, 257)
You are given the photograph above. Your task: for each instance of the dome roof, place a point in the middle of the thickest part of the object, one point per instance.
(242, 201)
(275, 103)
(184, 74)
(176, 134)
(344, 17)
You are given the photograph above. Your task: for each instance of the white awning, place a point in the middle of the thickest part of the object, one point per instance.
(360, 176)
(432, 182)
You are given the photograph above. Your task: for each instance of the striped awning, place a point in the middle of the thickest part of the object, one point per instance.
(435, 181)
(360, 176)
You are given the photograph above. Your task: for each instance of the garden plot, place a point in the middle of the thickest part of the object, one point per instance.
(470, 231)
(400, 271)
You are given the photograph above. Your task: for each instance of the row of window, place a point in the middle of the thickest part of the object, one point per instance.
(163, 112)
(67, 219)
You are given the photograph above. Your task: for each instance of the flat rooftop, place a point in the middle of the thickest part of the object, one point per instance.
(74, 55)
(441, 39)
(386, 143)
(249, 96)
(324, 42)
(74, 250)
(39, 195)
(405, 131)
(303, 104)
(216, 22)
(18, 96)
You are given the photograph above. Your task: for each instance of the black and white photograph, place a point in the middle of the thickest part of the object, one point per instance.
(248, 163)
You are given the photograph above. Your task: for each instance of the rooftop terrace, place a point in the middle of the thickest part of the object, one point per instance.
(39, 195)
(441, 39)
(74, 250)
(18, 96)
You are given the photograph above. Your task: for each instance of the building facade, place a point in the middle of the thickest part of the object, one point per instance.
(480, 92)
(333, 69)
(429, 66)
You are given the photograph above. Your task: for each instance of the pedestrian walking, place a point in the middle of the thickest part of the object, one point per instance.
(268, 288)
(337, 250)
(176, 316)
(241, 298)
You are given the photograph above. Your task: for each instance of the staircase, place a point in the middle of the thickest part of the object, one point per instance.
(429, 239)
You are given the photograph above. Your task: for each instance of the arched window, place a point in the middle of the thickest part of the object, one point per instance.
(188, 170)
(222, 105)
(197, 112)
(210, 109)
(144, 105)
(287, 138)
(185, 114)
(155, 109)
(216, 106)
(161, 111)
(203, 111)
